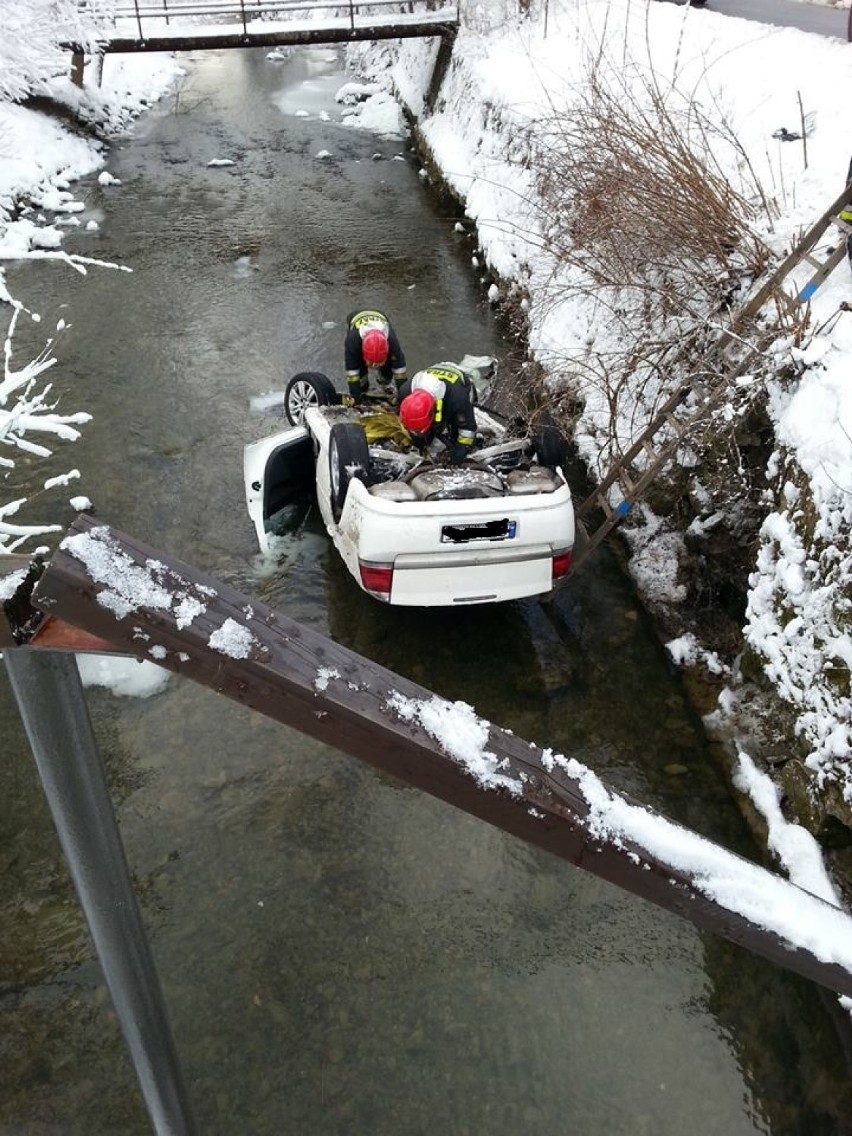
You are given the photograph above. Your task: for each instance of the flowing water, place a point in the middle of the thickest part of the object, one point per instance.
(341, 954)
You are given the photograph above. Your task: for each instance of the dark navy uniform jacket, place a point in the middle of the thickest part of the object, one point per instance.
(455, 421)
(357, 324)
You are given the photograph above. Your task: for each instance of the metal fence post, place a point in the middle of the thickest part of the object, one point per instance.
(50, 698)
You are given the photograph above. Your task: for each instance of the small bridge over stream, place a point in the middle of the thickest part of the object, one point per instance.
(188, 25)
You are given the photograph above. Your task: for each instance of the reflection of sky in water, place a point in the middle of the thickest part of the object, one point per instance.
(244, 266)
(314, 95)
(263, 402)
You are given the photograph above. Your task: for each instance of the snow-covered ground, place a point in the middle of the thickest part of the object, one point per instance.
(507, 75)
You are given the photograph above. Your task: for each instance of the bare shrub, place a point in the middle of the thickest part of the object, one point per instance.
(645, 226)
(634, 197)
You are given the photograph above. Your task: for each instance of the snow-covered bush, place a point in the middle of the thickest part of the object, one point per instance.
(26, 410)
(35, 32)
(798, 624)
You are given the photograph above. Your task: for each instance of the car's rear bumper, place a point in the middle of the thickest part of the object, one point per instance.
(422, 568)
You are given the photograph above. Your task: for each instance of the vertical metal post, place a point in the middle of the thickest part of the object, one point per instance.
(78, 64)
(50, 698)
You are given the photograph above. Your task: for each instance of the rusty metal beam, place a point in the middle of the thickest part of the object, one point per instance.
(153, 606)
(57, 635)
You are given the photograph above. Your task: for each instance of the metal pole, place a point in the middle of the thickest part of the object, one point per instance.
(50, 698)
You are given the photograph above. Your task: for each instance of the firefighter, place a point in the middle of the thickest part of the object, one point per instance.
(372, 345)
(437, 404)
(846, 216)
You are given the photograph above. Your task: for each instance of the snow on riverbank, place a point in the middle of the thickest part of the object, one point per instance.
(42, 157)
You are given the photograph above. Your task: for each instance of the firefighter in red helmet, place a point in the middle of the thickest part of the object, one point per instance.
(371, 345)
(437, 403)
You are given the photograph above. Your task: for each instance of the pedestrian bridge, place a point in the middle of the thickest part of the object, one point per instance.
(187, 25)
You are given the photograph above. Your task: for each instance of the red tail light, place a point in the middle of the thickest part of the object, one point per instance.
(376, 578)
(561, 564)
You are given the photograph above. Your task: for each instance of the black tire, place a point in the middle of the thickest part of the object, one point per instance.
(549, 443)
(421, 467)
(308, 388)
(348, 458)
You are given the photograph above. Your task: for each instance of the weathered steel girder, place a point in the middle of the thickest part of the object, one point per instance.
(149, 605)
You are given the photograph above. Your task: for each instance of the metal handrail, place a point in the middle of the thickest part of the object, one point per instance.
(245, 10)
(166, 25)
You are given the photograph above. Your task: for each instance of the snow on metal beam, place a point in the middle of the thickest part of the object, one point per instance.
(155, 607)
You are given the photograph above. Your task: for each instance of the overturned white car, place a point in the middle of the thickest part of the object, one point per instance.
(412, 530)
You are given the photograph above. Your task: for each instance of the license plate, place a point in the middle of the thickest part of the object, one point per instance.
(482, 530)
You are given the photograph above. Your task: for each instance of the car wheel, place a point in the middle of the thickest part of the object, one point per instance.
(348, 458)
(309, 388)
(549, 442)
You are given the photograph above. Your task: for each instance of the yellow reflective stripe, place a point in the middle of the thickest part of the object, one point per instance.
(845, 215)
(439, 410)
(368, 317)
(444, 374)
(465, 438)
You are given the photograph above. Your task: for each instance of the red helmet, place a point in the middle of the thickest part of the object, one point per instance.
(417, 412)
(375, 347)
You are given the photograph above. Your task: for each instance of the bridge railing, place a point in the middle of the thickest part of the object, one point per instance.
(160, 12)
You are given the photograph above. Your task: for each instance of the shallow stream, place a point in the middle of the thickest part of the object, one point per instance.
(341, 954)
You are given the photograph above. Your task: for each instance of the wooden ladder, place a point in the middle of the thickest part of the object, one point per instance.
(659, 441)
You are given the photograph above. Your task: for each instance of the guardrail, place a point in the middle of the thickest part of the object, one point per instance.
(149, 16)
